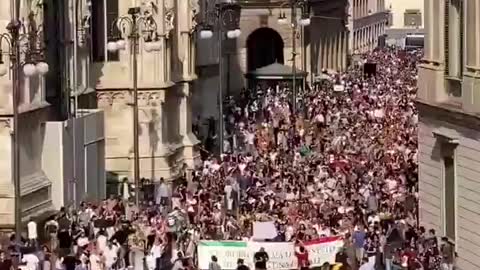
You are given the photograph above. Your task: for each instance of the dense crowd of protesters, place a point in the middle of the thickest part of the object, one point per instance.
(343, 163)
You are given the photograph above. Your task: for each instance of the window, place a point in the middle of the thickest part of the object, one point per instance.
(104, 13)
(454, 42)
(390, 19)
(454, 38)
(449, 192)
(472, 10)
(412, 18)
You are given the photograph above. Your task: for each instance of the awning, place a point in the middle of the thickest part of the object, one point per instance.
(275, 71)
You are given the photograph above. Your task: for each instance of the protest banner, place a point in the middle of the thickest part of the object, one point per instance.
(227, 253)
(281, 254)
(323, 250)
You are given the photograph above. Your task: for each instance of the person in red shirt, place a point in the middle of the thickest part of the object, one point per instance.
(302, 256)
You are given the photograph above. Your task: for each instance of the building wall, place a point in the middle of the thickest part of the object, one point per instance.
(59, 159)
(434, 86)
(253, 19)
(35, 187)
(432, 130)
(164, 81)
(328, 36)
(369, 22)
(398, 8)
(451, 116)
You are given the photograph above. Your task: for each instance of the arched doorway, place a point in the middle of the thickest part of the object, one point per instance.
(264, 47)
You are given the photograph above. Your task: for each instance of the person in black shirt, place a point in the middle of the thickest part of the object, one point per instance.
(70, 262)
(4, 262)
(121, 236)
(241, 265)
(260, 258)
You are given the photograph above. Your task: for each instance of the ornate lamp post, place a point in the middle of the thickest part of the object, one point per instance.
(135, 27)
(294, 23)
(25, 55)
(225, 17)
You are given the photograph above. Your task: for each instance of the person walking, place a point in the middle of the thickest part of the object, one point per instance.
(261, 258)
(213, 265)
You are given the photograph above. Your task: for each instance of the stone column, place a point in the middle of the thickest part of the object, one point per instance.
(323, 53)
(345, 49)
(162, 55)
(335, 51)
(189, 139)
(340, 51)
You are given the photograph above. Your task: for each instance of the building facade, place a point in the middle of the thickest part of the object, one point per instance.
(165, 79)
(369, 21)
(406, 17)
(47, 132)
(449, 126)
(327, 38)
(406, 14)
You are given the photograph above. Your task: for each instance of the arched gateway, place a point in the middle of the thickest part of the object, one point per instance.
(264, 47)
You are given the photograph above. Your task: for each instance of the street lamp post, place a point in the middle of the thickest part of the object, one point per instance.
(294, 23)
(226, 17)
(134, 26)
(25, 53)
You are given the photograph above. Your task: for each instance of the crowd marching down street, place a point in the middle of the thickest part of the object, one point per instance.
(332, 185)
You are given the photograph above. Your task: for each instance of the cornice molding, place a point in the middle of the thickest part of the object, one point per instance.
(450, 114)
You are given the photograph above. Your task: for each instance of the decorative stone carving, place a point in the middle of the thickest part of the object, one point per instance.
(143, 98)
(36, 9)
(6, 123)
(104, 99)
(156, 99)
(194, 10)
(169, 16)
(149, 12)
(118, 97)
(149, 9)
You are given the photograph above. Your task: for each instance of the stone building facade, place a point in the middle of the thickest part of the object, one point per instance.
(165, 80)
(449, 126)
(95, 83)
(34, 112)
(47, 178)
(370, 19)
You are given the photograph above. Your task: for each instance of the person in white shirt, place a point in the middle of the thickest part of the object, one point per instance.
(96, 261)
(31, 261)
(102, 242)
(59, 264)
(228, 195)
(32, 233)
(111, 255)
(155, 253)
(163, 193)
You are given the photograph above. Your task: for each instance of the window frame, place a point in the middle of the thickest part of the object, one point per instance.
(449, 150)
(418, 17)
(107, 55)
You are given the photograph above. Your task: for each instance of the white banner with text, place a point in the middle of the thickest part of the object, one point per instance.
(281, 254)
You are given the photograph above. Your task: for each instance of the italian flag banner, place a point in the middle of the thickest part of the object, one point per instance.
(281, 254)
